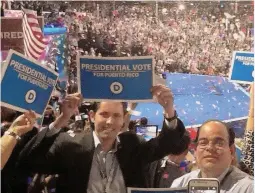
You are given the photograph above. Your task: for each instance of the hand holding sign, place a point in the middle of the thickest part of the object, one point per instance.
(70, 104)
(68, 107)
(165, 98)
(23, 123)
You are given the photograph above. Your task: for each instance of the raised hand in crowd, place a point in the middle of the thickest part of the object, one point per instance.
(68, 108)
(164, 97)
(21, 125)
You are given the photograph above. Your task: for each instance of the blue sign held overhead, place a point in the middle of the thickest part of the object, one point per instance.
(26, 85)
(242, 67)
(119, 79)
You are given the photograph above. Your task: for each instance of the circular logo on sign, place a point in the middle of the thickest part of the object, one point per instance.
(30, 96)
(116, 87)
(253, 73)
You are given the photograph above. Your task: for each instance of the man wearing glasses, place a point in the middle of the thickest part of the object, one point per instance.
(214, 153)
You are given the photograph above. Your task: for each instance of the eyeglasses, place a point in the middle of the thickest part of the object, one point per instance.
(218, 144)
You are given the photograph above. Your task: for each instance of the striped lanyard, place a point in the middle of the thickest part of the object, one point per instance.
(107, 180)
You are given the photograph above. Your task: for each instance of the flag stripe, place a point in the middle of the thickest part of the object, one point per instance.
(26, 51)
(30, 41)
(32, 51)
(34, 25)
(33, 37)
(29, 50)
(28, 11)
(36, 29)
(30, 34)
(32, 20)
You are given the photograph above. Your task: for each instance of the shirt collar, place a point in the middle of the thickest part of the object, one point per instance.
(97, 142)
(220, 178)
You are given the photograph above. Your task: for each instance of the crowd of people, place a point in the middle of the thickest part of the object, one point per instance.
(82, 147)
(197, 40)
(193, 37)
(69, 152)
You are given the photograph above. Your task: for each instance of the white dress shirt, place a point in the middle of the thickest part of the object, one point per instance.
(106, 163)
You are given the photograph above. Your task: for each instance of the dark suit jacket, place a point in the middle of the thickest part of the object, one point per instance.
(71, 157)
(156, 174)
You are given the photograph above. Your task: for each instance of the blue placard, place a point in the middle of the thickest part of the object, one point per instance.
(26, 85)
(157, 190)
(242, 67)
(119, 79)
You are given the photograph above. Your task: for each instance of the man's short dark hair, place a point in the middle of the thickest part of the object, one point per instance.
(96, 105)
(131, 125)
(186, 140)
(144, 121)
(231, 133)
(183, 144)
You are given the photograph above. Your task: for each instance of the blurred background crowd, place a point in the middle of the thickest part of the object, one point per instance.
(190, 37)
(195, 37)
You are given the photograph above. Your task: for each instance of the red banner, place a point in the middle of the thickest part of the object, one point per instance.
(12, 33)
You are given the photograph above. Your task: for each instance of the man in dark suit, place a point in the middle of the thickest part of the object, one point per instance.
(102, 160)
(163, 172)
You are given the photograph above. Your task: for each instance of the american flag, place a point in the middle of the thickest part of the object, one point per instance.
(34, 41)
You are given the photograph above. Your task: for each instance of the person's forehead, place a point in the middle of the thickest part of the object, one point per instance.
(212, 130)
(111, 106)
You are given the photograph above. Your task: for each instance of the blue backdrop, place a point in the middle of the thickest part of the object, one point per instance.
(199, 98)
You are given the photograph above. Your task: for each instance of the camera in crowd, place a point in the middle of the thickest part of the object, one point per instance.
(82, 121)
